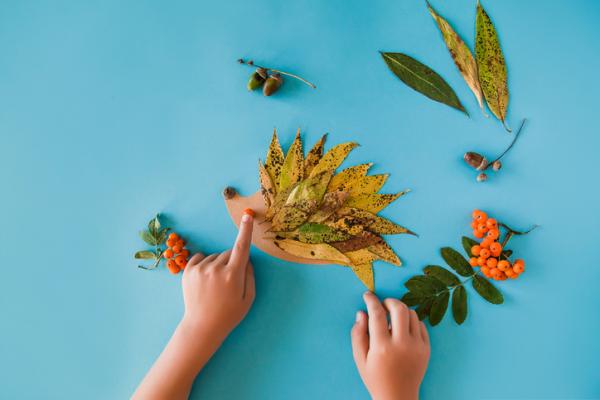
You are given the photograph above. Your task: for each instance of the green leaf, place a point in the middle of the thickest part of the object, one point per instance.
(455, 260)
(145, 255)
(438, 308)
(487, 290)
(442, 275)
(422, 79)
(467, 243)
(506, 253)
(422, 285)
(411, 299)
(161, 237)
(319, 233)
(491, 65)
(423, 309)
(154, 226)
(292, 170)
(148, 238)
(459, 304)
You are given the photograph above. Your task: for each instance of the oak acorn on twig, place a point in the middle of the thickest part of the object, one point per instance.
(269, 79)
(272, 84)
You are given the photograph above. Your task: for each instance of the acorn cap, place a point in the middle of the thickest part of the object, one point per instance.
(496, 165)
(476, 160)
(482, 177)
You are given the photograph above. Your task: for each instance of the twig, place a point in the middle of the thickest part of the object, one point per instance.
(251, 63)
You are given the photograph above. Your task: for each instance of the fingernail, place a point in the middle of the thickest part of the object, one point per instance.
(246, 218)
(249, 211)
(358, 316)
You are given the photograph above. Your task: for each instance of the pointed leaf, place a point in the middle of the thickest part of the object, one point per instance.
(274, 160)
(370, 184)
(292, 170)
(487, 290)
(333, 158)
(145, 255)
(319, 233)
(442, 275)
(422, 285)
(423, 309)
(364, 272)
(455, 260)
(361, 241)
(386, 253)
(154, 226)
(314, 156)
(422, 79)
(346, 179)
(467, 243)
(161, 236)
(462, 56)
(267, 189)
(372, 202)
(438, 308)
(372, 222)
(459, 304)
(491, 65)
(148, 238)
(289, 218)
(362, 256)
(332, 202)
(320, 251)
(310, 189)
(411, 299)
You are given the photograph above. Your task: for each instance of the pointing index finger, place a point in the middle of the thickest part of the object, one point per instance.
(241, 249)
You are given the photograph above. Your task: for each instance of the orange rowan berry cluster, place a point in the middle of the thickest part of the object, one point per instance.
(488, 253)
(176, 254)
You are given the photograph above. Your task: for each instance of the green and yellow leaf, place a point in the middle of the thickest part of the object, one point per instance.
(372, 202)
(333, 158)
(372, 222)
(288, 218)
(319, 233)
(363, 240)
(364, 272)
(319, 251)
(311, 189)
(274, 160)
(332, 202)
(346, 179)
(314, 156)
(385, 253)
(362, 256)
(266, 185)
(292, 170)
(369, 184)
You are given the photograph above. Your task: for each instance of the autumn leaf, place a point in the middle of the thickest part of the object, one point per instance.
(274, 160)
(292, 170)
(369, 184)
(372, 222)
(319, 251)
(319, 233)
(385, 253)
(364, 272)
(267, 189)
(333, 158)
(314, 156)
(348, 178)
(372, 202)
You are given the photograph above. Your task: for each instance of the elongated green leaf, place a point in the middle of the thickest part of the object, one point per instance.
(411, 299)
(462, 56)
(438, 308)
(319, 233)
(154, 226)
(148, 238)
(145, 255)
(423, 309)
(422, 79)
(487, 290)
(455, 260)
(442, 275)
(292, 170)
(459, 304)
(423, 285)
(161, 236)
(491, 65)
(467, 243)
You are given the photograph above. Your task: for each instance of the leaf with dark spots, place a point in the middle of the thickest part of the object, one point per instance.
(361, 241)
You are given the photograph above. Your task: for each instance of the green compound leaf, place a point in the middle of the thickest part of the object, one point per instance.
(422, 79)
(455, 260)
(422, 285)
(491, 65)
(148, 238)
(459, 304)
(487, 290)
(411, 299)
(438, 308)
(423, 309)
(442, 275)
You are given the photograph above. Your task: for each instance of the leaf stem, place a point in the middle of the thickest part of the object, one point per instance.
(159, 252)
(510, 145)
(251, 63)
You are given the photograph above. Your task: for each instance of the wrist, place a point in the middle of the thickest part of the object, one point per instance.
(198, 331)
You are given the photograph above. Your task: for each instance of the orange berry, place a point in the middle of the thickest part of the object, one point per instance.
(180, 243)
(473, 261)
(485, 253)
(475, 250)
(171, 242)
(177, 249)
(495, 272)
(482, 227)
(478, 234)
(474, 224)
(481, 261)
(502, 277)
(174, 236)
(250, 212)
(519, 267)
(180, 260)
(485, 271)
(485, 243)
(495, 247)
(510, 273)
(479, 216)
(491, 223)
(185, 253)
(492, 262)
(168, 253)
(174, 269)
(493, 233)
(503, 265)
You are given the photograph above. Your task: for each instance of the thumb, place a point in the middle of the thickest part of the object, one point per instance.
(360, 339)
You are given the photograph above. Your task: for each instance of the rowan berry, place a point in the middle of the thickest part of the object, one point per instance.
(473, 261)
(174, 269)
(180, 260)
(485, 271)
(481, 261)
(485, 243)
(180, 243)
(492, 262)
(177, 249)
(493, 233)
(185, 253)
(475, 250)
(519, 266)
(171, 242)
(173, 236)
(495, 272)
(250, 212)
(482, 227)
(485, 253)
(495, 247)
(491, 223)
(474, 224)
(510, 273)
(479, 215)
(503, 265)
(478, 234)
(168, 253)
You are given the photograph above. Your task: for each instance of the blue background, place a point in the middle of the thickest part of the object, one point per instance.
(111, 111)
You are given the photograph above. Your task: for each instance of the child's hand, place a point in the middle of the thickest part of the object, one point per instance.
(218, 290)
(391, 358)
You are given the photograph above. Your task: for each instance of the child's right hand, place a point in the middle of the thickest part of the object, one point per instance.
(391, 358)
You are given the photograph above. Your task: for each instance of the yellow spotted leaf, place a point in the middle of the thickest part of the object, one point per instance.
(292, 170)
(364, 272)
(332, 202)
(314, 156)
(384, 252)
(346, 179)
(320, 251)
(369, 184)
(372, 202)
(333, 158)
(311, 189)
(362, 256)
(372, 222)
(274, 160)
(288, 218)
(266, 185)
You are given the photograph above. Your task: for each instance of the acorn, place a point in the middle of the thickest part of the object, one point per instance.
(272, 84)
(482, 177)
(229, 193)
(257, 79)
(496, 165)
(476, 160)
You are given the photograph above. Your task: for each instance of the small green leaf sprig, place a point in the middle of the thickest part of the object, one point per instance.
(270, 79)
(430, 293)
(155, 235)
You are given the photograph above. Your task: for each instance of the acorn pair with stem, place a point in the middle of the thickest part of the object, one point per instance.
(481, 163)
(269, 79)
